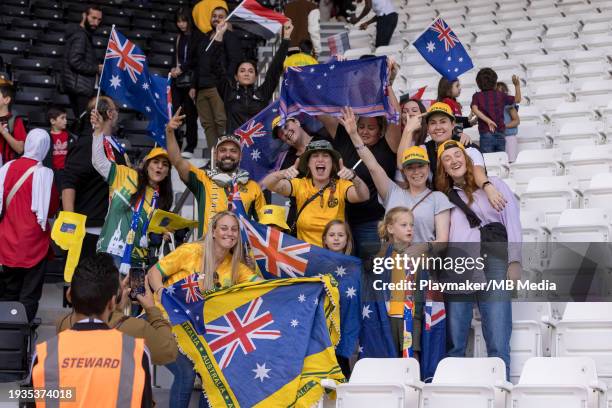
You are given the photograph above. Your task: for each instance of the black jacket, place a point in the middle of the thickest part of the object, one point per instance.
(79, 65)
(244, 102)
(91, 189)
(206, 65)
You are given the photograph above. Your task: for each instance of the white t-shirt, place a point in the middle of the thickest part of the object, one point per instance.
(424, 224)
(383, 7)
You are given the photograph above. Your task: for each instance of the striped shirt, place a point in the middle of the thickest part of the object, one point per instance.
(492, 104)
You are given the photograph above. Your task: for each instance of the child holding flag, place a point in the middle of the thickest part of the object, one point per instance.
(396, 230)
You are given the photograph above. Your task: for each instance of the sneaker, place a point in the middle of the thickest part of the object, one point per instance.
(187, 155)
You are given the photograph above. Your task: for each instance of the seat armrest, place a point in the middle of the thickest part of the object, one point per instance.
(504, 385)
(417, 385)
(328, 383)
(549, 321)
(599, 386)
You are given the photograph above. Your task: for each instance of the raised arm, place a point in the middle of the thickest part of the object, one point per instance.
(98, 158)
(174, 152)
(275, 70)
(380, 178)
(364, 12)
(412, 125)
(517, 89)
(278, 181)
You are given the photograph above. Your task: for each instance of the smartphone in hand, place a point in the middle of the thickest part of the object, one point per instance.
(137, 282)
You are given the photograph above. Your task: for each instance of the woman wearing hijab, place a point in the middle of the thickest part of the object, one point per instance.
(27, 199)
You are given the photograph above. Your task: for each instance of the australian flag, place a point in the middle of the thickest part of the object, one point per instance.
(324, 89)
(280, 255)
(443, 51)
(184, 302)
(126, 79)
(260, 151)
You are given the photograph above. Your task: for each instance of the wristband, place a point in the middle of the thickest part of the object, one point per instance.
(485, 184)
(361, 146)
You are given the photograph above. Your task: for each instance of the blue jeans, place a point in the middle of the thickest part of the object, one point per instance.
(182, 386)
(365, 238)
(496, 313)
(492, 142)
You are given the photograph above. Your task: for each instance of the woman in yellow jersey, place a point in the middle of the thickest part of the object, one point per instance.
(218, 261)
(321, 195)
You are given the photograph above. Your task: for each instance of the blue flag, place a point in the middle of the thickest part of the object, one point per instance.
(433, 340)
(280, 255)
(324, 89)
(443, 51)
(267, 343)
(184, 302)
(126, 79)
(260, 151)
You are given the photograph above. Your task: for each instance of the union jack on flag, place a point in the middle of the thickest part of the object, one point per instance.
(238, 330)
(128, 60)
(253, 129)
(279, 253)
(445, 34)
(192, 290)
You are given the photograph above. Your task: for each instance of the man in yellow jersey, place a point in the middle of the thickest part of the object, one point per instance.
(213, 187)
(93, 365)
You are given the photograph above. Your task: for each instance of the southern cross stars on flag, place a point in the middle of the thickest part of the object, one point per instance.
(443, 51)
(126, 79)
(260, 151)
(280, 255)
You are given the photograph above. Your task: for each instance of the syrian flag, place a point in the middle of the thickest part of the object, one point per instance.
(257, 19)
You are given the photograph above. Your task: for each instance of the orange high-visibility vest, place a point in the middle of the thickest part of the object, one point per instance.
(104, 367)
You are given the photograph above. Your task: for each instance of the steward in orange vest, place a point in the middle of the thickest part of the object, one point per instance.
(104, 367)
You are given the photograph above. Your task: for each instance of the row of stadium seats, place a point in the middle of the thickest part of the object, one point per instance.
(544, 383)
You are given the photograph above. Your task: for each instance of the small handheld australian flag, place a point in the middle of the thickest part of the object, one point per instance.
(443, 51)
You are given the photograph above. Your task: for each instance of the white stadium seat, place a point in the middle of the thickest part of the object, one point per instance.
(533, 163)
(566, 44)
(583, 225)
(599, 192)
(577, 134)
(558, 383)
(595, 93)
(388, 382)
(532, 113)
(570, 112)
(549, 96)
(551, 195)
(586, 331)
(532, 326)
(468, 382)
(589, 71)
(535, 237)
(355, 53)
(556, 74)
(593, 41)
(585, 56)
(560, 31)
(497, 164)
(585, 161)
(542, 60)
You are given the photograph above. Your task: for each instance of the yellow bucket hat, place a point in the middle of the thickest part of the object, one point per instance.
(273, 215)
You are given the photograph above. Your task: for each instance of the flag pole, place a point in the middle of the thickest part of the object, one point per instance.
(226, 18)
(103, 65)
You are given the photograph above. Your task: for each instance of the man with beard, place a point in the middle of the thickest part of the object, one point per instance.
(80, 66)
(214, 188)
(83, 189)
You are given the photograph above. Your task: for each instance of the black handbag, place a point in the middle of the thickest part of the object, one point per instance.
(493, 236)
(185, 80)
